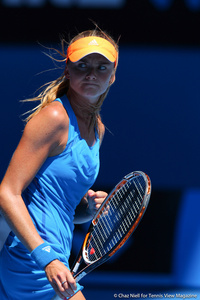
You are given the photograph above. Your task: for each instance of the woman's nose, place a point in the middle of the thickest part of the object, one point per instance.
(91, 75)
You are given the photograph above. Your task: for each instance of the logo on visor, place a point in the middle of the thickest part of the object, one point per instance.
(93, 42)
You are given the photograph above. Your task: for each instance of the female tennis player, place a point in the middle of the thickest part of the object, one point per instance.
(46, 188)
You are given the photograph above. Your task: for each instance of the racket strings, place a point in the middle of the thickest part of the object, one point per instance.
(117, 218)
(123, 211)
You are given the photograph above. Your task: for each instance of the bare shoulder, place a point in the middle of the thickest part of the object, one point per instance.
(51, 117)
(49, 127)
(55, 113)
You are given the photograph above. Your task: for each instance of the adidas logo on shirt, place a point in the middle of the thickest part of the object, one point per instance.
(47, 249)
(93, 42)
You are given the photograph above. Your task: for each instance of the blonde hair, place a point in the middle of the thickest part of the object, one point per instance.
(59, 87)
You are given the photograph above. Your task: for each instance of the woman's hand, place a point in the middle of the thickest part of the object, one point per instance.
(95, 200)
(88, 206)
(60, 279)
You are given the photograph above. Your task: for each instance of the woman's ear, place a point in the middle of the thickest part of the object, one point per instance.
(66, 72)
(112, 78)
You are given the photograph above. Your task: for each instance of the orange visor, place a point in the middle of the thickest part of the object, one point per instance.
(89, 45)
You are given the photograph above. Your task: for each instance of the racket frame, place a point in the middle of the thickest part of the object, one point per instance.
(78, 275)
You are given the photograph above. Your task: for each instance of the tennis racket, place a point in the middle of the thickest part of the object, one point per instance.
(113, 224)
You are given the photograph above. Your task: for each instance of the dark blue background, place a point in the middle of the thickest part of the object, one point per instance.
(151, 112)
(152, 120)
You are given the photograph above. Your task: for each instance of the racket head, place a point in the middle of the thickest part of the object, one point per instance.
(117, 218)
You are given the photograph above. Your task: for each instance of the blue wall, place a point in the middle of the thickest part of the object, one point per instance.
(152, 111)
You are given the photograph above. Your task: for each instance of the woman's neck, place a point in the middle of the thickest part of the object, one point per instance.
(82, 107)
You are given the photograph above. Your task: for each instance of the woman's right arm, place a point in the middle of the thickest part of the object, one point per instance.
(44, 135)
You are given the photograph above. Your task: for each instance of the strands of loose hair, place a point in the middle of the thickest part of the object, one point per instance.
(59, 87)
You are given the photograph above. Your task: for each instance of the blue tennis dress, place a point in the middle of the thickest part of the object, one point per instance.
(51, 199)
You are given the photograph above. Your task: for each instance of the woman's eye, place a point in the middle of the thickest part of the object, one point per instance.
(102, 67)
(82, 65)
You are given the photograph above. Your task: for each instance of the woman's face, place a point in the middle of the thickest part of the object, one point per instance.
(90, 76)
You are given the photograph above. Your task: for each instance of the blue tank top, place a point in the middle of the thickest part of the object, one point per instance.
(60, 184)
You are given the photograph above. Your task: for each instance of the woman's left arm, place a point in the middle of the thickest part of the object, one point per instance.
(88, 206)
